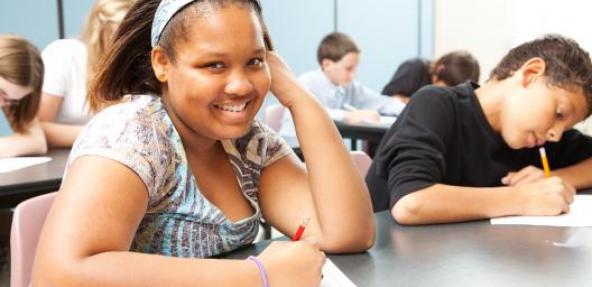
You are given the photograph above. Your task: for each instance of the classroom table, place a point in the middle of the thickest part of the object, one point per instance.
(373, 133)
(21, 184)
(466, 254)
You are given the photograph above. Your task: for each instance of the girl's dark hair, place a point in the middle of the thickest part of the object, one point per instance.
(456, 68)
(127, 69)
(21, 64)
(567, 64)
(410, 76)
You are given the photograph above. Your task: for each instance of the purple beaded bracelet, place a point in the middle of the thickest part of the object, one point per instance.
(261, 269)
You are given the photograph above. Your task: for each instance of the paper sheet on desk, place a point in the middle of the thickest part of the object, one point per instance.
(580, 215)
(333, 277)
(13, 163)
(385, 121)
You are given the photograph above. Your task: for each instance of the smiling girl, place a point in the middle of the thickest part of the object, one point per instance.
(180, 171)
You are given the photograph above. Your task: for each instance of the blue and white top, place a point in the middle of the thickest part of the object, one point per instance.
(336, 99)
(179, 220)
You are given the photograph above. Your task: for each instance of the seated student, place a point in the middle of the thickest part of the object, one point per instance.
(334, 85)
(449, 70)
(21, 78)
(469, 152)
(70, 66)
(455, 68)
(180, 171)
(409, 77)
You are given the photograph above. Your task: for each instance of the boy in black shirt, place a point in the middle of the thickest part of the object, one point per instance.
(468, 152)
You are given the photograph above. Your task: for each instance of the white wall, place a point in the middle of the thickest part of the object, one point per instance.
(489, 28)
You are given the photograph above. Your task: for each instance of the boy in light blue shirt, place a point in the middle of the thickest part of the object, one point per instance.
(334, 86)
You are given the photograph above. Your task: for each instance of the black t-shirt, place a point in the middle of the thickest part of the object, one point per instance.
(443, 136)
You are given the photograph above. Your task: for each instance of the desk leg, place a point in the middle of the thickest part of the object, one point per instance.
(354, 143)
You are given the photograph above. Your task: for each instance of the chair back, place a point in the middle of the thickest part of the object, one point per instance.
(274, 115)
(27, 221)
(362, 161)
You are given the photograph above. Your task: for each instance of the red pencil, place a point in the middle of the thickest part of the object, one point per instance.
(300, 230)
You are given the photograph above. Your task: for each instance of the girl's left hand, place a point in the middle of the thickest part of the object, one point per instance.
(283, 81)
(528, 174)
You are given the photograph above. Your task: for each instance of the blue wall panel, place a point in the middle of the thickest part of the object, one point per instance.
(36, 20)
(75, 14)
(297, 27)
(427, 29)
(386, 31)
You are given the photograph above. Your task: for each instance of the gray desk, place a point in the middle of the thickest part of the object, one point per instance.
(467, 254)
(362, 131)
(24, 183)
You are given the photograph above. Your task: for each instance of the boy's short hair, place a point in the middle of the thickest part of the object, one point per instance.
(567, 64)
(456, 68)
(335, 46)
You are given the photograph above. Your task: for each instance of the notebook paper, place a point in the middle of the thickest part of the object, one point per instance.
(14, 163)
(580, 215)
(333, 277)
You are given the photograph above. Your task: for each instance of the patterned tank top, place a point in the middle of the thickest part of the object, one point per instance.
(179, 221)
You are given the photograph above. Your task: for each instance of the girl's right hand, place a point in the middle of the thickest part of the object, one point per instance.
(297, 264)
(284, 85)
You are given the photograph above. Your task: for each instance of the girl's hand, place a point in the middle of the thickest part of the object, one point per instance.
(528, 174)
(293, 264)
(284, 84)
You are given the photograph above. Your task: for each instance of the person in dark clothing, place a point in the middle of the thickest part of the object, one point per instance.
(449, 70)
(410, 76)
(468, 152)
(455, 68)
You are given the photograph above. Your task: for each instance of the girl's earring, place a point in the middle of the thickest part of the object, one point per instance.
(162, 77)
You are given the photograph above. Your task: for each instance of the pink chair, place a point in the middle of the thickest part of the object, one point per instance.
(362, 161)
(27, 222)
(273, 116)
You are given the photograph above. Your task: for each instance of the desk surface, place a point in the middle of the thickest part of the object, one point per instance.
(467, 254)
(21, 184)
(365, 131)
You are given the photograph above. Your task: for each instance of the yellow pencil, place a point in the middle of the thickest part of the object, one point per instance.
(545, 162)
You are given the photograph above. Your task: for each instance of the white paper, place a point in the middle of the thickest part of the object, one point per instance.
(14, 163)
(333, 277)
(385, 121)
(580, 215)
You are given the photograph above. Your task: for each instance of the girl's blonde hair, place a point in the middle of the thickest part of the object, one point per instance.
(21, 64)
(100, 26)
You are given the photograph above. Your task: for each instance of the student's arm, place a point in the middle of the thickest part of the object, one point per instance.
(577, 175)
(330, 190)
(89, 230)
(58, 135)
(570, 159)
(30, 143)
(445, 203)
(365, 98)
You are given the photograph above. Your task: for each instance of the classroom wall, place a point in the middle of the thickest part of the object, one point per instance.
(488, 29)
(387, 31)
(15, 18)
(75, 14)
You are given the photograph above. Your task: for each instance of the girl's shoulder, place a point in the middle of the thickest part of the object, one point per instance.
(65, 47)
